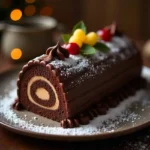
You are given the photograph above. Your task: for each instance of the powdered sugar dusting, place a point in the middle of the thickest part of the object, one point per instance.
(91, 66)
(102, 124)
(138, 145)
(115, 119)
(78, 64)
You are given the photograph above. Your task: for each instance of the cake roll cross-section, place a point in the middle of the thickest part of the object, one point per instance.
(70, 88)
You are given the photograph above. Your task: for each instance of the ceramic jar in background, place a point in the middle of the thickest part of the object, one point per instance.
(32, 36)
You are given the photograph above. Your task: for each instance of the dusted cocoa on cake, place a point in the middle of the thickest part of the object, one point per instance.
(65, 87)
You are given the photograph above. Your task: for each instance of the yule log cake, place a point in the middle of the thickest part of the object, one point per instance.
(74, 82)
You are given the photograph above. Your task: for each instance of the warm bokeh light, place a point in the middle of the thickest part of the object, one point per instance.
(16, 53)
(30, 1)
(46, 11)
(30, 10)
(16, 14)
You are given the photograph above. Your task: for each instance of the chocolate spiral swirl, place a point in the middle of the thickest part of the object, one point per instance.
(41, 92)
(44, 84)
(57, 52)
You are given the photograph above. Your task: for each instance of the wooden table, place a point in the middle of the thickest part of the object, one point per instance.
(136, 141)
(11, 141)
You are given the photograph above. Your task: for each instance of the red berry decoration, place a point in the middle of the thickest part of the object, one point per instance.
(105, 35)
(72, 48)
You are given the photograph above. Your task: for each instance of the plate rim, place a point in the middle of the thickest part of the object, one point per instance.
(55, 137)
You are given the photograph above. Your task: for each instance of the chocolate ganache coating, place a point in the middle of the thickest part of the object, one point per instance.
(60, 86)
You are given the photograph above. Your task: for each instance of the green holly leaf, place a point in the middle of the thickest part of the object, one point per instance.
(87, 50)
(66, 37)
(101, 47)
(80, 25)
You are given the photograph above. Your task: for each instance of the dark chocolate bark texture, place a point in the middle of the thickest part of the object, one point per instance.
(60, 87)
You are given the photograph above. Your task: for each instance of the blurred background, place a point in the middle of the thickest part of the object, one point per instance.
(132, 16)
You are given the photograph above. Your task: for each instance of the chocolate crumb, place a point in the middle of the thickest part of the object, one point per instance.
(17, 105)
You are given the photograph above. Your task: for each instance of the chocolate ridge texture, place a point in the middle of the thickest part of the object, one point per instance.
(63, 89)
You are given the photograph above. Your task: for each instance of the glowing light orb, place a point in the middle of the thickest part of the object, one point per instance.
(16, 53)
(16, 14)
(30, 10)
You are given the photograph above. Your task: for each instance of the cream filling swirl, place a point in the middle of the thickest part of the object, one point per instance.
(42, 94)
(37, 78)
